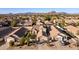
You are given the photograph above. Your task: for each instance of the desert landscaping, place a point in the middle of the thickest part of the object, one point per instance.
(39, 31)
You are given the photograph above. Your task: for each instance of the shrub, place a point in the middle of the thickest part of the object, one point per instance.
(22, 41)
(77, 24)
(48, 18)
(25, 39)
(11, 43)
(28, 38)
(61, 25)
(33, 36)
(13, 23)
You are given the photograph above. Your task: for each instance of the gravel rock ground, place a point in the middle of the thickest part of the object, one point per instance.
(56, 45)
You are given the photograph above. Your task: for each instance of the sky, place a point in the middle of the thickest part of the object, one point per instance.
(38, 10)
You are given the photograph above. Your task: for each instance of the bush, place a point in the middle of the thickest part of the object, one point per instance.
(30, 36)
(11, 43)
(22, 41)
(77, 24)
(48, 18)
(33, 36)
(13, 23)
(61, 25)
(27, 41)
(26, 38)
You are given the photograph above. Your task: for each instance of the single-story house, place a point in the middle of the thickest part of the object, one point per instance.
(63, 39)
(17, 34)
(4, 31)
